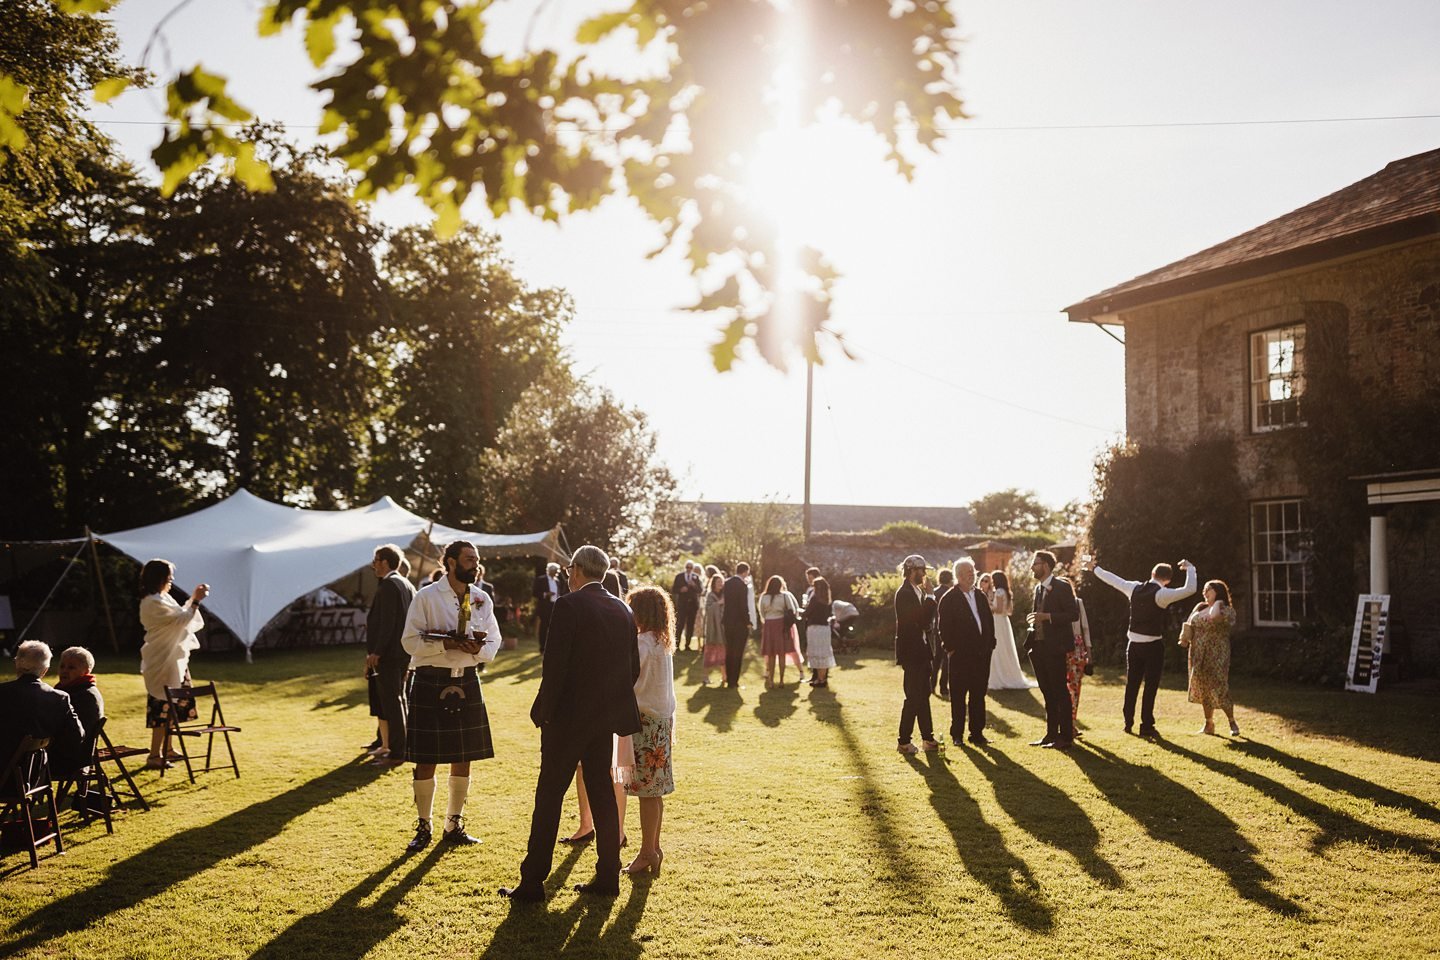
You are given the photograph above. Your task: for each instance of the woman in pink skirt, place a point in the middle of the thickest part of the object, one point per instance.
(778, 637)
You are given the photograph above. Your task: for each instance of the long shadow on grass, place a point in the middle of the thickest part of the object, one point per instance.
(1340, 782)
(1021, 701)
(1335, 826)
(981, 847)
(531, 930)
(1178, 815)
(347, 928)
(1046, 812)
(775, 706)
(177, 858)
(527, 668)
(719, 704)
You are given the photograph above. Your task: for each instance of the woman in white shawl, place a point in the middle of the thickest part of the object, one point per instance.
(165, 658)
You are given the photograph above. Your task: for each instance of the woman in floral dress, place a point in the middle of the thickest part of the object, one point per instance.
(1210, 626)
(655, 696)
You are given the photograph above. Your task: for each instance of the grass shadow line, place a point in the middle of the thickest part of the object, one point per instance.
(1046, 812)
(775, 706)
(1339, 781)
(719, 703)
(1334, 825)
(175, 859)
(347, 930)
(1175, 814)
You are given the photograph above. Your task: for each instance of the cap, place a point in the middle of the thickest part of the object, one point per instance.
(914, 562)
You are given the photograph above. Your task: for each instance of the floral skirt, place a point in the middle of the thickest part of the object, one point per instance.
(157, 712)
(653, 777)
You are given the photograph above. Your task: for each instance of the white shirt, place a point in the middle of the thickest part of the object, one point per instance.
(774, 607)
(974, 610)
(1164, 598)
(750, 594)
(436, 608)
(552, 587)
(655, 690)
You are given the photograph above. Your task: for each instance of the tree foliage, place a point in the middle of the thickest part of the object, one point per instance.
(569, 451)
(743, 531)
(1011, 510)
(417, 97)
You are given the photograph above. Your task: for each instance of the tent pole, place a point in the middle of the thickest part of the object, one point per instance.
(53, 587)
(104, 594)
(424, 555)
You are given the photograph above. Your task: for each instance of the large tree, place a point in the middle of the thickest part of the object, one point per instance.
(470, 336)
(569, 452)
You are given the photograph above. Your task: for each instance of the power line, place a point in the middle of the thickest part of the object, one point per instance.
(572, 127)
(973, 392)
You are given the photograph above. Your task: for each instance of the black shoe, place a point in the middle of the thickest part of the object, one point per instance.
(1042, 742)
(372, 744)
(583, 838)
(1129, 728)
(422, 837)
(980, 740)
(598, 889)
(455, 834)
(1061, 745)
(1148, 730)
(522, 894)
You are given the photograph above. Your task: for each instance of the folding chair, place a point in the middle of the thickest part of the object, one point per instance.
(346, 627)
(325, 627)
(107, 752)
(186, 697)
(24, 786)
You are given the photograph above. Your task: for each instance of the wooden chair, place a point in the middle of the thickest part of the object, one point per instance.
(25, 789)
(107, 752)
(325, 626)
(95, 791)
(183, 728)
(347, 628)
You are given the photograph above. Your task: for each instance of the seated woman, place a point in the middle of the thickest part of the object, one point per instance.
(77, 678)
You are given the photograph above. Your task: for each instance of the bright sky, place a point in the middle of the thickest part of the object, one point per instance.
(970, 379)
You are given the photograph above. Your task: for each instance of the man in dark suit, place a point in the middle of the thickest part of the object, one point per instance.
(967, 632)
(736, 621)
(914, 612)
(30, 707)
(686, 591)
(484, 584)
(547, 588)
(1049, 638)
(384, 654)
(587, 695)
(620, 576)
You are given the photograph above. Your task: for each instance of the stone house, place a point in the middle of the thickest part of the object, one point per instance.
(1218, 345)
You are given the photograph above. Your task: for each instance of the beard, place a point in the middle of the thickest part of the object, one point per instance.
(464, 575)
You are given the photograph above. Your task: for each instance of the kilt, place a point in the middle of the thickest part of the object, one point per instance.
(447, 722)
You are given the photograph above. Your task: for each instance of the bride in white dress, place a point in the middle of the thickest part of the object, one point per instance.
(1005, 672)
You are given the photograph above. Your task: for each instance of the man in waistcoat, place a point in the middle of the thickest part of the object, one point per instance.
(1144, 653)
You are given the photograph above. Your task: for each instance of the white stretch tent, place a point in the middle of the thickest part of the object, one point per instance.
(258, 556)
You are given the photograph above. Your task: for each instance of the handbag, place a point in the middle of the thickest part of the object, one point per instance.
(790, 618)
(1187, 633)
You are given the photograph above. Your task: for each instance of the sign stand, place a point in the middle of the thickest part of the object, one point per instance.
(1367, 644)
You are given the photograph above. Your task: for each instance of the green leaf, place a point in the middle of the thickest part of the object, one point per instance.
(598, 28)
(110, 88)
(85, 7)
(251, 170)
(14, 97)
(320, 39)
(271, 21)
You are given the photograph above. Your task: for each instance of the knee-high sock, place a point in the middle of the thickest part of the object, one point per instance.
(424, 797)
(459, 788)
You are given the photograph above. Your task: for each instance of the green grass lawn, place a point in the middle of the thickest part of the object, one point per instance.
(796, 831)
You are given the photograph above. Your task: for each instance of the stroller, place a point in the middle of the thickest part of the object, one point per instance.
(842, 627)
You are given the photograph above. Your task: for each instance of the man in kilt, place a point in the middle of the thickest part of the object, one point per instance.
(450, 629)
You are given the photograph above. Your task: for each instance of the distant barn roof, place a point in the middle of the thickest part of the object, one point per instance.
(1401, 202)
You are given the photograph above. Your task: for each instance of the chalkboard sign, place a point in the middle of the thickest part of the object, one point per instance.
(1367, 645)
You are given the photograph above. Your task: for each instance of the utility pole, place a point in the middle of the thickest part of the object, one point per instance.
(809, 421)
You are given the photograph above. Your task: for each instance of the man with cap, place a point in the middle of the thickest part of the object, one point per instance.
(914, 611)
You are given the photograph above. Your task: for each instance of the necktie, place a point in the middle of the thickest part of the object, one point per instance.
(1039, 598)
(463, 623)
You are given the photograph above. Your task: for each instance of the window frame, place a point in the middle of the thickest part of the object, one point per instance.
(1263, 560)
(1263, 377)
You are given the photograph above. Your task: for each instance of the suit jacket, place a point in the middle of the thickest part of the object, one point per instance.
(31, 707)
(489, 589)
(592, 660)
(960, 635)
(386, 620)
(540, 590)
(912, 617)
(737, 602)
(1057, 636)
(686, 592)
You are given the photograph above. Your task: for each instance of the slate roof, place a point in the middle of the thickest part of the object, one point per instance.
(1401, 202)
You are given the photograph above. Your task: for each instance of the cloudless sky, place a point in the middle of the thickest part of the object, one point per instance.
(970, 379)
